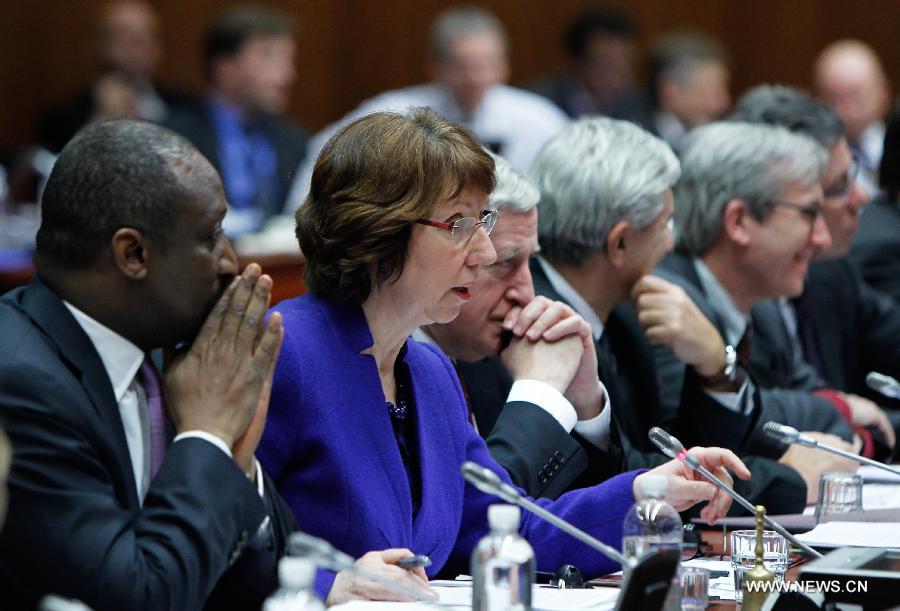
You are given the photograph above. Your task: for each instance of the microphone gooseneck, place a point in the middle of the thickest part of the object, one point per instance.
(666, 443)
(488, 482)
(789, 434)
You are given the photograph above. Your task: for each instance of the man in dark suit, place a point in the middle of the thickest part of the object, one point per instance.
(104, 506)
(240, 127)
(603, 229)
(602, 47)
(856, 333)
(538, 403)
(128, 53)
(688, 84)
(876, 246)
(748, 222)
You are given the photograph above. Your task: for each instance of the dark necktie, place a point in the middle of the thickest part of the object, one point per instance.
(745, 346)
(149, 380)
(609, 373)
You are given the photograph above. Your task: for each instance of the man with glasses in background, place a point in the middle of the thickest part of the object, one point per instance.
(748, 222)
(838, 329)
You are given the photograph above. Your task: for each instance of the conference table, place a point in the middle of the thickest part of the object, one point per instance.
(286, 270)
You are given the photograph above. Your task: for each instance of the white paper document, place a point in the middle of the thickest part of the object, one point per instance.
(457, 596)
(859, 534)
(881, 496)
(870, 473)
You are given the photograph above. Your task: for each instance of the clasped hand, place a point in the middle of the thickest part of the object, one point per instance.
(552, 343)
(221, 384)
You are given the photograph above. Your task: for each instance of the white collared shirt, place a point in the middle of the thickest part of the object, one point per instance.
(519, 121)
(122, 360)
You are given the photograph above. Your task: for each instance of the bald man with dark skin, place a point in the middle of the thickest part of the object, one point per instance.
(131, 258)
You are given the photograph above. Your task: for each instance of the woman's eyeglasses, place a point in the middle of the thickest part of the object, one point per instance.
(463, 229)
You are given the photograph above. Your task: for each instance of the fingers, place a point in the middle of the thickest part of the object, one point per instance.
(715, 458)
(269, 346)
(649, 284)
(213, 322)
(571, 325)
(884, 425)
(538, 315)
(385, 563)
(717, 508)
(687, 493)
(234, 313)
(394, 554)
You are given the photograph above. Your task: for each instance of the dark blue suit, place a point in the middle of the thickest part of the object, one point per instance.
(331, 450)
(76, 526)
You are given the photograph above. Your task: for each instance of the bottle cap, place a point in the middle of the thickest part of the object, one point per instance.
(503, 517)
(296, 572)
(652, 486)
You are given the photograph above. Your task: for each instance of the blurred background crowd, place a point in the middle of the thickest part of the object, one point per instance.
(259, 89)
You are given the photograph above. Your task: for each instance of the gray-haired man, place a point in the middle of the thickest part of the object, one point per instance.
(606, 206)
(748, 222)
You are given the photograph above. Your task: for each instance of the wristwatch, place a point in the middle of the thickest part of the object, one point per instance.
(729, 373)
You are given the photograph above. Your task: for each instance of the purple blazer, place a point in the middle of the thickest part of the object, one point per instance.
(330, 448)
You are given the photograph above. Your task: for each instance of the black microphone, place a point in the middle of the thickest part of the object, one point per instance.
(671, 447)
(488, 482)
(883, 384)
(326, 556)
(789, 434)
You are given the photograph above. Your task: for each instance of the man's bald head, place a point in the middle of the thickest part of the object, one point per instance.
(850, 79)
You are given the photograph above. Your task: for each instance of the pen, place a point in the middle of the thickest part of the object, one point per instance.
(414, 561)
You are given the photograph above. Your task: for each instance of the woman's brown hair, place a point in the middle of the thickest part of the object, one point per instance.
(372, 180)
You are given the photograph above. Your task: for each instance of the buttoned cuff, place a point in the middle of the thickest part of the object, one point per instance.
(547, 398)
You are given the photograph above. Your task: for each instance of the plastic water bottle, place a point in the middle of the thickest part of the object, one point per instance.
(502, 565)
(652, 523)
(295, 578)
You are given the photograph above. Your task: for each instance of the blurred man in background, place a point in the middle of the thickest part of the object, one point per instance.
(249, 62)
(469, 63)
(128, 52)
(601, 44)
(689, 77)
(850, 79)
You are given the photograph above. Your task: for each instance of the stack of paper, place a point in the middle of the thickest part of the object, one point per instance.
(870, 473)
(859, 534)
(457, 596)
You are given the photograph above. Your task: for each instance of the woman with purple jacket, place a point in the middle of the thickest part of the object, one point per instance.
(367, 428)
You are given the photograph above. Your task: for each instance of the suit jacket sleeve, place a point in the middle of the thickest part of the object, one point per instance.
(67, 533)
(599, 510)
(537, 453)
(879, 328)
(692, 414)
